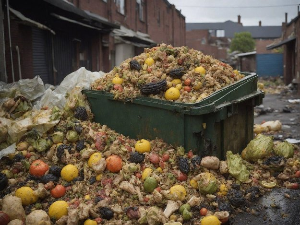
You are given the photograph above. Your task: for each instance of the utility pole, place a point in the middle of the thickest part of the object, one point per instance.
(3, 76)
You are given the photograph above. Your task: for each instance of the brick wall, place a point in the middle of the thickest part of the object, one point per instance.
(199, 40)
(21, 37)
(261, 45)
(291, 57)
(161, 20)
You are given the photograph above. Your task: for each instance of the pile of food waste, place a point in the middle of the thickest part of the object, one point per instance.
(170, 73)
(81, 172)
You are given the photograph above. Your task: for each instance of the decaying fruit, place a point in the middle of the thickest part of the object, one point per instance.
(154, 87)
(150, 184)
(177, 73)
(81, 113)
(200, 70)
(69, 172)
(178, 192)
(27, 195)
(142, 146)
(90, 222)
(58, 209)
(94, 159)
(58, 191)
(117, 80)
(106, 213)
(146, 173)
(172, 93)
(134, 65)
(210, 220)
(114, 163)
(38, 168)
(4, 218)
(149, 61)
(136, 157)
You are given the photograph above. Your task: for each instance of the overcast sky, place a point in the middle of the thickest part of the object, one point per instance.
(269, 12)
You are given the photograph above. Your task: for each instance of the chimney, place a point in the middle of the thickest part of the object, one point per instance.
(286, 17)
(259, 23)
(298, 9)
(239, 19)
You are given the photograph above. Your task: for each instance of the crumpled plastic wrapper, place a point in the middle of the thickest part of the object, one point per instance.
(81, 78)
(29, 88)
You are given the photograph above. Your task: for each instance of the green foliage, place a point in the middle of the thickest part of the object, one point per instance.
(242, 42)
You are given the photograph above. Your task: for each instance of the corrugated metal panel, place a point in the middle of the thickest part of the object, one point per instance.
(41, 54)
(63, 56)
(269, 64)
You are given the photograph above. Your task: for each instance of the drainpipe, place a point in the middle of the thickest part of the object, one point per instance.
(146, 15)
(3, 76)
(9, 37)
(19, 63)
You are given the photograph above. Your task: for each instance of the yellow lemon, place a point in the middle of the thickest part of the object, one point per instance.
(142, 146)
(210, 220)
(178, 86)
(194, 183)
(117, 79)
(69, 172)
(94, 158)
(178, 192)
(27, 195)
(176, 81)
(149, 61)
(236, 72)
(146, 173)
(98, 177)
(197, 85)
(90, 222)
(172, 93)
(200, 70)
(159, 169)
(223, 189)
(58, 209)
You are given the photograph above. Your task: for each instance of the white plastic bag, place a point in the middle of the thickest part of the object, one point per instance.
(81, 78)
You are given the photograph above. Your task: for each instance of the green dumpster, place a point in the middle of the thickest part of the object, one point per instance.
(222, 121)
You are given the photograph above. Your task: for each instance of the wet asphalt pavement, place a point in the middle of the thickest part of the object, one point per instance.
(280, 206)
(277, 107)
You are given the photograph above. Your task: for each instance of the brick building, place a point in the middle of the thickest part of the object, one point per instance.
(52, 38)
(215, 38)
(291, 49)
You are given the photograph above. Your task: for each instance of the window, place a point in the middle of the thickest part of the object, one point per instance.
(203, 41)
(104, 0)
(158, 17)
(212, 33)
(220, 33)
(140, 9)
(120, 6)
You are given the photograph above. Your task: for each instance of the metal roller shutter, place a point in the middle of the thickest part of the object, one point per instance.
(41, 50)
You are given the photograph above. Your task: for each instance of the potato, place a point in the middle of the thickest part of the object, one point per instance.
(210, 162)
(12, 206)
(16, 222)
(38, 217)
